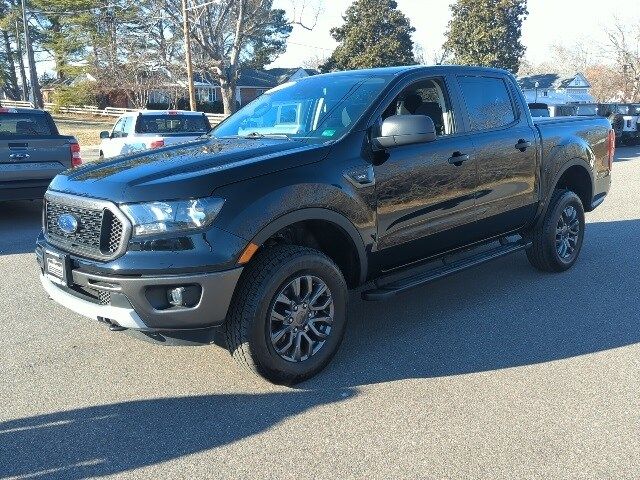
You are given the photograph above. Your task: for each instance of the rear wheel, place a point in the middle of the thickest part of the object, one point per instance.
(558, 240)
(288, 315)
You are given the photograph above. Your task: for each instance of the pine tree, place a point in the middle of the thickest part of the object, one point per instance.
(375, 34)
(487, 33)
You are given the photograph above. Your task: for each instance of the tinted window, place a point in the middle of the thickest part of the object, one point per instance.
(167, 124)
(16, 125)
(488, 103)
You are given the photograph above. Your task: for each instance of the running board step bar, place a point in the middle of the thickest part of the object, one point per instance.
(384, 291)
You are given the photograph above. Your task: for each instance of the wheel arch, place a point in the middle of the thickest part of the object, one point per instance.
(329, 218)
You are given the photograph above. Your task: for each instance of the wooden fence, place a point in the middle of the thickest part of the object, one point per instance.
(214, 118)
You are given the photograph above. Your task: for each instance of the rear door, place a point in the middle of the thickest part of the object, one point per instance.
(505, 147)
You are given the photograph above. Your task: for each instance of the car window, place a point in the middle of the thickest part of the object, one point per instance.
(172, 123)
(126, 127)
(426, 97)
(15, 125)
(488, 102)
(118, 128)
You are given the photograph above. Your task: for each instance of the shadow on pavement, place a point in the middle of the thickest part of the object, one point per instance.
(109, 439)
(625, 154)
(499, 316)
(20, 224)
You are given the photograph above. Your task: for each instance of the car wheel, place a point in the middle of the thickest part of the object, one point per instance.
(288, 315)
(557, 241)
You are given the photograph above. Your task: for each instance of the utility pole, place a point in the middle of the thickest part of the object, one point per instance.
(33, 74)
(187, 48)
(23, 76)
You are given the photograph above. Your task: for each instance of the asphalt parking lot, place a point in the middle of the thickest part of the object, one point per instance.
(498, 372)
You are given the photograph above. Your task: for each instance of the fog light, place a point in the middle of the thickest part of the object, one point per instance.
(176, 296)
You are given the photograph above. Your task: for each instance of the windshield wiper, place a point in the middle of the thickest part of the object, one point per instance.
(265, 135)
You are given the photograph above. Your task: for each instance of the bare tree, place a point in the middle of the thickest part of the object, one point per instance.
(624, 43)
(229, 34)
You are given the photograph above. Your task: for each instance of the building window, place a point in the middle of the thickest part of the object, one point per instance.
(545, 93)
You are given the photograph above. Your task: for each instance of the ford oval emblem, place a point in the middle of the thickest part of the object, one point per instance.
(68, 223)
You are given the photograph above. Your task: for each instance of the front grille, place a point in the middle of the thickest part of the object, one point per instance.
(89, 230)
(100, 233)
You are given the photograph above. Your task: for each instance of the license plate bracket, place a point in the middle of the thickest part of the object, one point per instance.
(57, 267)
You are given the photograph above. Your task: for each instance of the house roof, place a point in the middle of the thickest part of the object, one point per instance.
(549, 80)
(251, 77)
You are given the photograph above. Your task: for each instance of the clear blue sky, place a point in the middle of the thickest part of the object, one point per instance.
(550, 22)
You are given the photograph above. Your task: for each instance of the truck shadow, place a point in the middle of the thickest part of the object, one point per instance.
(499, 316)
(20, 224)
(502, 315)
(109, 439)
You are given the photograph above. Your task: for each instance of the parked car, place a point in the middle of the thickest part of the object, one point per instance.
(136, 131)
(396, 177)
(538, 110)
(32, 152)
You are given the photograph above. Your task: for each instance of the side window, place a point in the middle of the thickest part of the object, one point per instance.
(118, 128)
(487, 101)
(426, 97)
(126, 128)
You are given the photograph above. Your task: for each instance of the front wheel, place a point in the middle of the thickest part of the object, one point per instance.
(288, 315)
(556, 243)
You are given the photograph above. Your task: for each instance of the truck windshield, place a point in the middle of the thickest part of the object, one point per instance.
(20, 125)
(316, 108)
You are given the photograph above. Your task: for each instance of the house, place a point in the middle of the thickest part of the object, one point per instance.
(49, 86)
(551, 89)
(251, 84)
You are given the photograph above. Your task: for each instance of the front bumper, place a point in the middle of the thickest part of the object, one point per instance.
(140, 303)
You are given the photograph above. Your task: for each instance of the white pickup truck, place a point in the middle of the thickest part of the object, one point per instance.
(135, 131)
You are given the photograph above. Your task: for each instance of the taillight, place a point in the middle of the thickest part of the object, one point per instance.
(157, 144)
(76, 159)
(611, 147)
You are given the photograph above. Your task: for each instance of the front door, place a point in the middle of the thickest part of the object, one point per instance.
(425, 192)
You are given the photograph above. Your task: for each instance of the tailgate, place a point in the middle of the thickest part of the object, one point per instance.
(30, 146)
(34, 158)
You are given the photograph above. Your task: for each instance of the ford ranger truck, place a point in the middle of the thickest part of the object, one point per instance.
(383, 180)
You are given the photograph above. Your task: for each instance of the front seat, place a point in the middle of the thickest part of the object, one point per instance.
(433, 110)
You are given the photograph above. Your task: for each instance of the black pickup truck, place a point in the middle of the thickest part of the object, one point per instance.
(382, 179)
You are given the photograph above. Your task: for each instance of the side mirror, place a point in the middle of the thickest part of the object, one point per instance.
(104, 134)
(405, 130)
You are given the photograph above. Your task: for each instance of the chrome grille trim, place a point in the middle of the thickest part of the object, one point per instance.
(115, 247)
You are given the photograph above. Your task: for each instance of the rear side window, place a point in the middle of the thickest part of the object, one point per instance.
(488, 102)
(20, 125)
(167, 124)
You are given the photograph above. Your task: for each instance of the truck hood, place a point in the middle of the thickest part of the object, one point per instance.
(188, 170)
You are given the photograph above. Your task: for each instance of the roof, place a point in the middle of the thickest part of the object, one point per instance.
(251, 77)
(548, 80)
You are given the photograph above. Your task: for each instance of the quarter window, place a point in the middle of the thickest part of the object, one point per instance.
(487, 101)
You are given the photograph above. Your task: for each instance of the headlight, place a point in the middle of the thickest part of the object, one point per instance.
(173, 216)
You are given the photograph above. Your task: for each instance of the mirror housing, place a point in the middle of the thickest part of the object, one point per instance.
(104, 134)
(400, 130)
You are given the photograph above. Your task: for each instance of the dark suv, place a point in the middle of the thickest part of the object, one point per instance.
(387, 178)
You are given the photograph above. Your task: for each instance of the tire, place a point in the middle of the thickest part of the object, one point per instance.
(258, 311)
(549, 238)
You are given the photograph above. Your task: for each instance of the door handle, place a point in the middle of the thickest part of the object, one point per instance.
(19, 156)
(458, 158)
(522, 145)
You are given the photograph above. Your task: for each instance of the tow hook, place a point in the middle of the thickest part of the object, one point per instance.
(114, 327)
